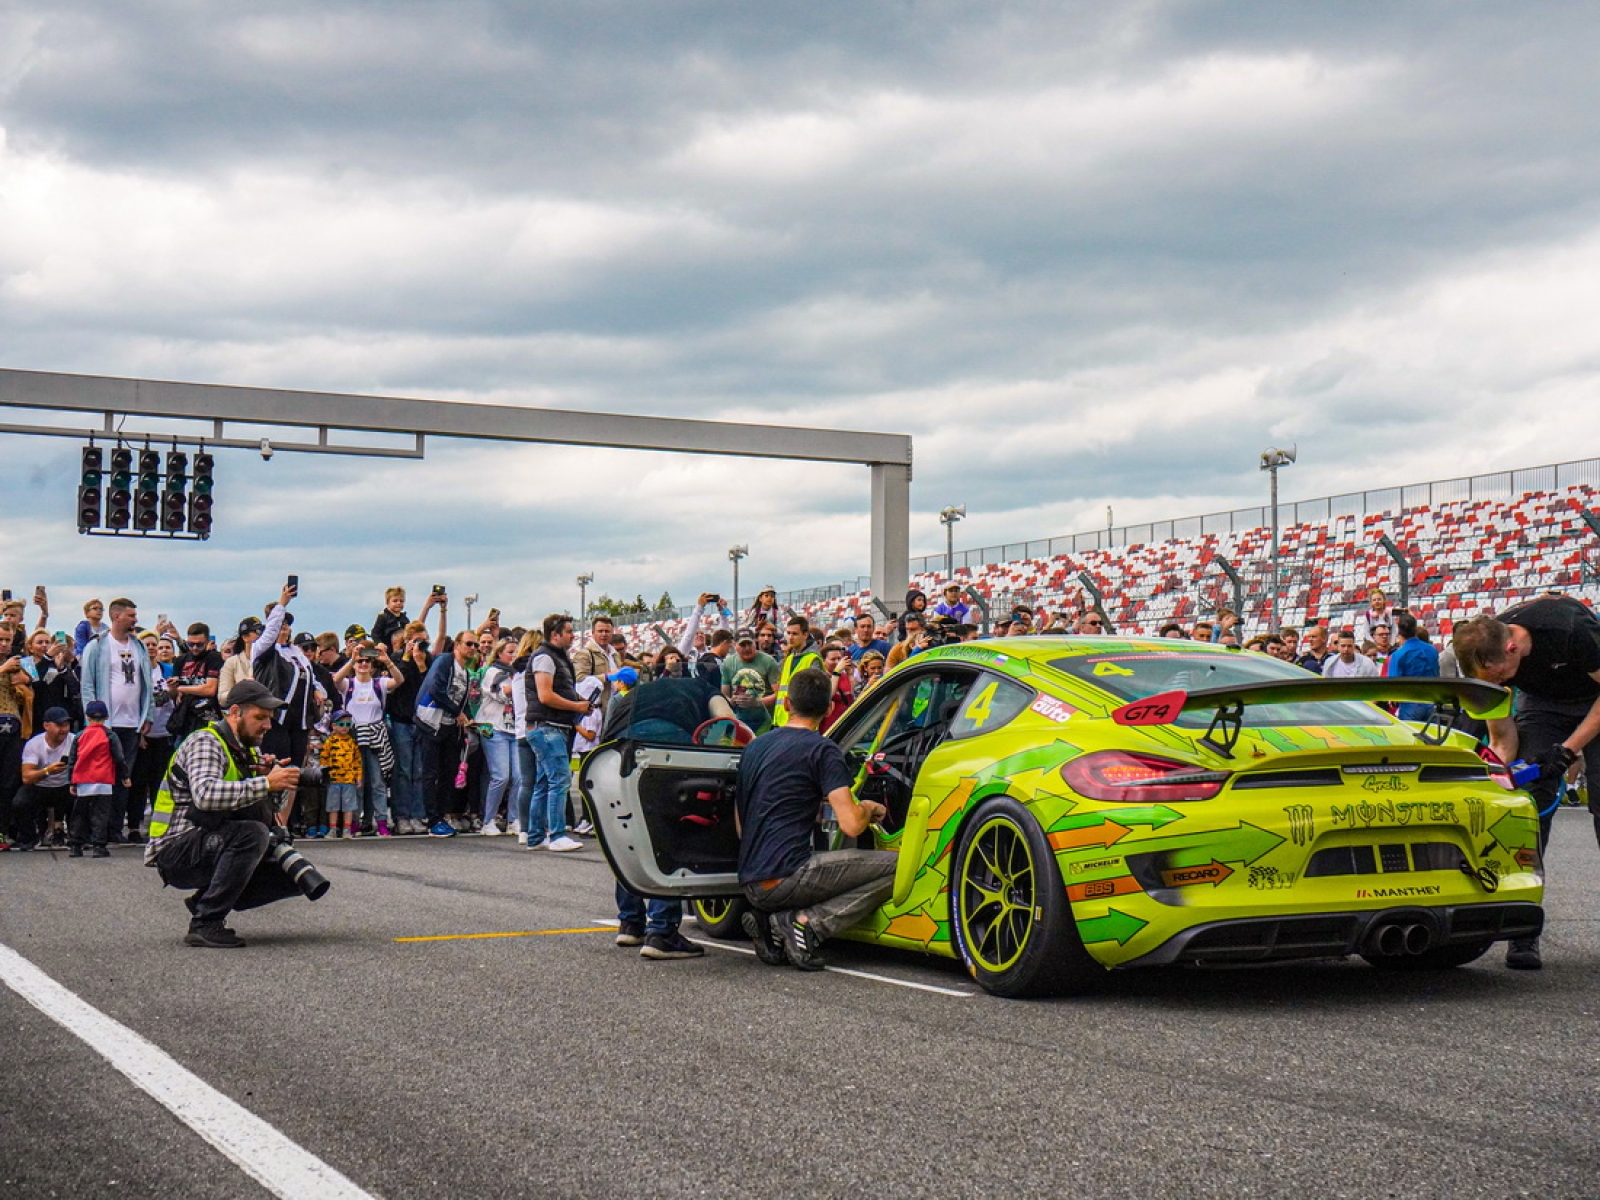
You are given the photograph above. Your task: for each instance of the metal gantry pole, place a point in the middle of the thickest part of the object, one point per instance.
(583, 597)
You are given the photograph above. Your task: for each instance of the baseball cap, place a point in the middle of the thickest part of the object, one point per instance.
(746, 635)
(952, 587)
(248, 691)
(305, 641)
(354, 631)
(96, 708)
(250, 625)
(342, 715)
(58, 715)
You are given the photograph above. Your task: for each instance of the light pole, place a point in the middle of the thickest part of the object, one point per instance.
(583, 597)
(469, 602)
(734, 555)
(1271, 460)
(948, 518)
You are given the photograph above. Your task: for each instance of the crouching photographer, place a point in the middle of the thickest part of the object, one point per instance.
(213, 826)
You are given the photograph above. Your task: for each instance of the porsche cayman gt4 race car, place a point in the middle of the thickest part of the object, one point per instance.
(1063, 805)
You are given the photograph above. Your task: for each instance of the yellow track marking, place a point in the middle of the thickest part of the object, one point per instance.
(457, 937)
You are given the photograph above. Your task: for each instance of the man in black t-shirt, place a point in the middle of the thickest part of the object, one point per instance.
(803, 896)
(1549, 651)
(193, 684)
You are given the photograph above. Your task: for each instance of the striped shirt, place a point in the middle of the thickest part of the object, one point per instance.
(195, 779)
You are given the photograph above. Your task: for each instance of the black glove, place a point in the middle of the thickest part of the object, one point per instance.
(1555, 762)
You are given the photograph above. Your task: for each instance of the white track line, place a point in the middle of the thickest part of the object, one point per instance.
(258, 1149)
(716, 944)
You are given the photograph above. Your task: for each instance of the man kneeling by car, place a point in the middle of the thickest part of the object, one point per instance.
(803, 896)
(210, 826)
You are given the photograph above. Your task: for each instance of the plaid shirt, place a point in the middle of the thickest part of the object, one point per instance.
(203, 761)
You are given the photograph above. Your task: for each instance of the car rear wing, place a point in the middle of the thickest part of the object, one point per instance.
(1450, 698)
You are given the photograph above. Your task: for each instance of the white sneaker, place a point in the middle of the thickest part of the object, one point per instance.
(544, 845)
(522, 839)
(516, 827)
(563, 843)
(490, 829)
(583, 829)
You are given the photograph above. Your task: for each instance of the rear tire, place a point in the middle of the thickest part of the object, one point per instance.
(719, 916)
(1009, 913)
(1442, 959)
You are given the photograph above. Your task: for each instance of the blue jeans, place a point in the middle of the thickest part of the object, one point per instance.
(374, 791)
(522, 783)
(657, 916)
(500, 754)
(407, 771)
(552, 775)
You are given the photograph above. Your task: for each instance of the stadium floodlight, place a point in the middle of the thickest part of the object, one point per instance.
(584, 581)
(948, 518)
(734, 555)
(1271, 459)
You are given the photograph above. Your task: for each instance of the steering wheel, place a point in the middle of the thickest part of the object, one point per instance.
(723, 731)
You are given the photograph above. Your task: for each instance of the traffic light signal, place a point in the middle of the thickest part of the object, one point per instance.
(174, 504)
(200, 499)
(147, 498)
(89, 489)
(119, 496)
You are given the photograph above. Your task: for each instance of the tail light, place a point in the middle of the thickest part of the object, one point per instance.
(1131, 778)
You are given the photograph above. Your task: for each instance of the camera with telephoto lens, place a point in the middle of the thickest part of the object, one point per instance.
(941, 631)
(296, 866)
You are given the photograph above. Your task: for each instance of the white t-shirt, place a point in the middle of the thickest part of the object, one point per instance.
(39, 754)
(1360, 668)
(126, 710)
(519, 700)
(365, 701)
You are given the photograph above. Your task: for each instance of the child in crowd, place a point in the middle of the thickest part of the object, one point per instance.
(341, 772)
(310, 799)
(91, 627)
(95, 767)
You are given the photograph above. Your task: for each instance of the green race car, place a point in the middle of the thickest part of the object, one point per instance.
(1064, 805)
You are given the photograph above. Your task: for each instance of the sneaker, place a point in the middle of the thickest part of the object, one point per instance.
(562, 844)
(214, 937)
(769, 946)
(102, 852)
(515, 827)
(383, 829)
(630, 935)
(355, 832)
(670, 945)
(75, 852)
(798, 941)
(583, 828)
(1523, 955)
(490, 829)
(522, 839)
(442, 828)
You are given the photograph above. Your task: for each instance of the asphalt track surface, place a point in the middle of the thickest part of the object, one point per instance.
(560, 1065)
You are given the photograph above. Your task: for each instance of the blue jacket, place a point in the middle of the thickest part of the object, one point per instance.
(1414, 659)
(97, 668)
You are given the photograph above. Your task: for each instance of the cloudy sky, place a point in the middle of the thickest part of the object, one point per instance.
(1086, 254)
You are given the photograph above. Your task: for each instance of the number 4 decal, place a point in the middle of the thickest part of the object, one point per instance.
(978, 711)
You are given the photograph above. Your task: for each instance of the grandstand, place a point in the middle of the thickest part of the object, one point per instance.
(1465, 546)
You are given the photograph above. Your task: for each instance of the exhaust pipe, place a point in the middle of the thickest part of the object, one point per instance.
(1417, 939)
(1388, 940)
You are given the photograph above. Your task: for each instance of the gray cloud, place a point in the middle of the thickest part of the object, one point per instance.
(1089, 255)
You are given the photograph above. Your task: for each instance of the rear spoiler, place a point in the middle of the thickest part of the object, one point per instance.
(1449, 697)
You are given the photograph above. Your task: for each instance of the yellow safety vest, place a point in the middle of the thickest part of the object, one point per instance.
(791, 664)
(163, 808)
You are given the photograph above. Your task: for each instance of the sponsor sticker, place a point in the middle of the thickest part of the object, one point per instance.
(1055, 710)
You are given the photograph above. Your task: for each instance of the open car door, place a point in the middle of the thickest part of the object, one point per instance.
(665, 816)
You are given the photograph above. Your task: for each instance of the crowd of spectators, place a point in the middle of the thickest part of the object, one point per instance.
(421, 730)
